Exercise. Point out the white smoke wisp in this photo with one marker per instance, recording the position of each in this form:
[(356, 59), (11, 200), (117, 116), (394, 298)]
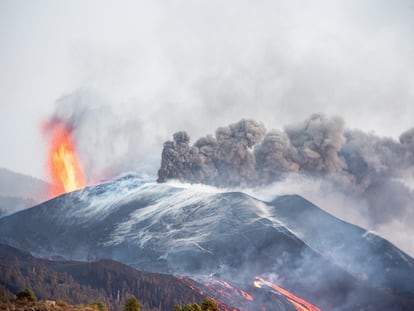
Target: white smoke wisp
[(198, 187)]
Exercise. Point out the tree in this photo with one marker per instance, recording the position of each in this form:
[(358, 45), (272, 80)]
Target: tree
[(132, 304), (191, 307), (206, 305), (26, 295), (209, 305)]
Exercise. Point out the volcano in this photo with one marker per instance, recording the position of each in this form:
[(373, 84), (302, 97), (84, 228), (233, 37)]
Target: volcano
[(205, 233)]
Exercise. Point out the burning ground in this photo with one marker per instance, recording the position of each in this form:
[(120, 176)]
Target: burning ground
[(259, 295)]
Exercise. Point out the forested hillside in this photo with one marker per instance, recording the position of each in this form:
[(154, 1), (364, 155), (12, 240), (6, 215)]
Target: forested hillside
[(86, 282)]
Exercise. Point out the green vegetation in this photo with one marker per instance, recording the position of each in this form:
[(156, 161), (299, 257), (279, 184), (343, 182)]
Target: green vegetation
[(206, 305), (26, 295), (191, 307), (26, 300), (209, 305), (103, 285), (99, 306), (132, 304)]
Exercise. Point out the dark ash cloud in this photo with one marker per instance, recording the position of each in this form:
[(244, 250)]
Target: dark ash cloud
[(223, 159), (361, 177), (244, 154)]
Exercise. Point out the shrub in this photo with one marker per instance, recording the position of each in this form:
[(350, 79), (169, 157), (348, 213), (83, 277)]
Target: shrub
[(26, 295)]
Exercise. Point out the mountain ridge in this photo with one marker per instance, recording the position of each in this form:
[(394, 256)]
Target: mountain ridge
[(19, 191), (190, 230)]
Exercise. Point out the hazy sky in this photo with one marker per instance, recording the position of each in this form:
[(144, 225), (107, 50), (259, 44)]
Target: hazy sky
[(155, 67)]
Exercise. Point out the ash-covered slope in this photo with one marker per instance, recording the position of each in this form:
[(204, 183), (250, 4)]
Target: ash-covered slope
[(362, 253), (197, 231)]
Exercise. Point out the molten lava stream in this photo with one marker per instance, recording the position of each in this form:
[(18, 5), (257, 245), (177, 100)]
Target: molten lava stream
[(298, 303), (63, 163), (236, 291)]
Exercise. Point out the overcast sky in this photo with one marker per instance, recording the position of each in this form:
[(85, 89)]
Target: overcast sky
[(163, 66)]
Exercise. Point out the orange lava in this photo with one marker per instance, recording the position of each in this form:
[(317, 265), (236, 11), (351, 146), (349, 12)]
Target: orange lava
[(299, 303), (63, 163), (236, 291)]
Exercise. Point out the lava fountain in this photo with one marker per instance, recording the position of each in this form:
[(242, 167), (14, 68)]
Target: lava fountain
[(63, 163)]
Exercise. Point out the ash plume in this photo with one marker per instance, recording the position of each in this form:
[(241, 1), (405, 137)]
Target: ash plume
[(358, 176), (223, 159), (317, 141), (407, 142), (243, 154), (310, 146)]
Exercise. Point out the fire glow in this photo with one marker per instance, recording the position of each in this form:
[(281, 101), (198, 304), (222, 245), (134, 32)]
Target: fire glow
[(299, 303), (63, 163), (225, 285), (226, 294)]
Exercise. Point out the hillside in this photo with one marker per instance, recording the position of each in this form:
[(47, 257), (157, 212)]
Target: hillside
[(86, 282)]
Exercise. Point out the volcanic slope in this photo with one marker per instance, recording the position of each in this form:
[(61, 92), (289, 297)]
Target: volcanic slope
[(199, 231)]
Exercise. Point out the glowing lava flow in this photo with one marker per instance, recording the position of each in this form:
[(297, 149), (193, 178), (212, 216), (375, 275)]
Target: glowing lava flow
[(225, 294), (235, 291), (216, 290), (299, 303), (63, 163)]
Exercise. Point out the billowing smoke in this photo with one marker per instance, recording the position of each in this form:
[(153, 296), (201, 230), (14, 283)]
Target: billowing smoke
[(407, 141), (226, 158), (310, 146), (244, 154)]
